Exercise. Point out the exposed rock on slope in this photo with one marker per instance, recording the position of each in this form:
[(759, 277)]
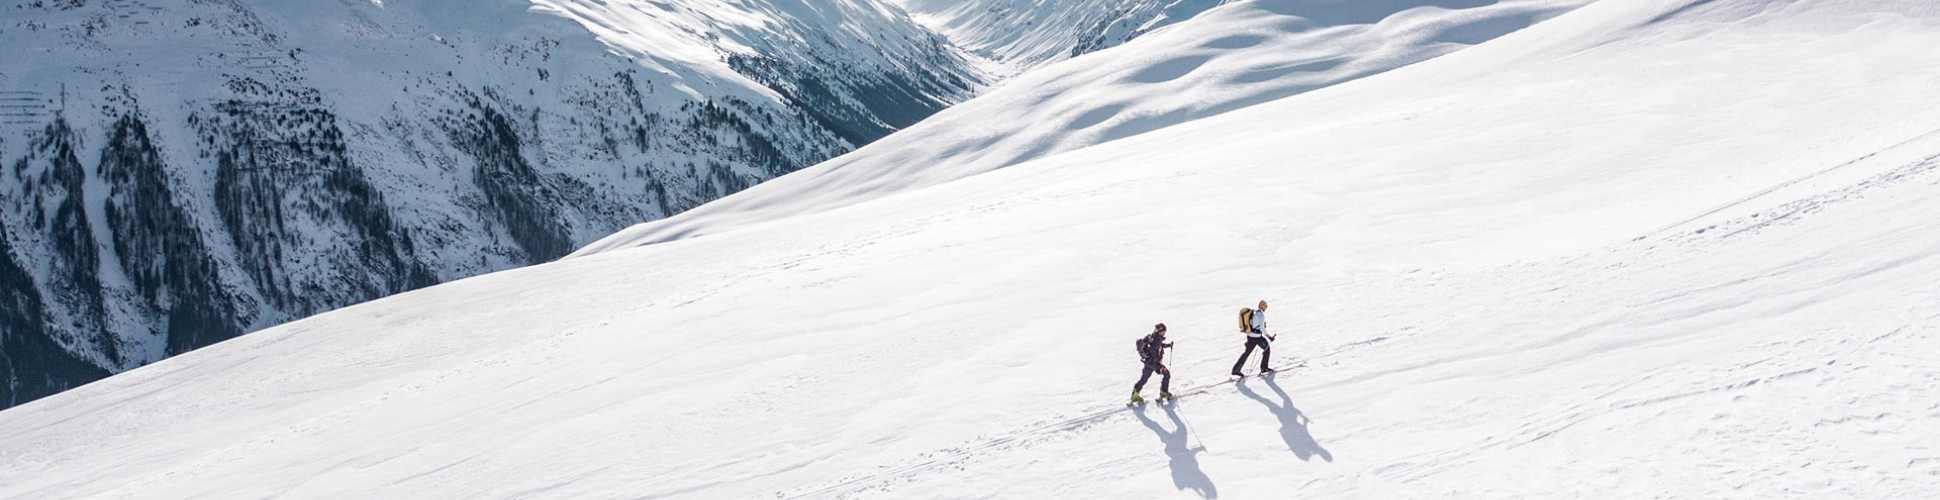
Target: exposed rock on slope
[(178, 172)]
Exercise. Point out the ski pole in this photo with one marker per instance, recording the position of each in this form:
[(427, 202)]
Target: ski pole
[(1168, 368), (1187, 424)]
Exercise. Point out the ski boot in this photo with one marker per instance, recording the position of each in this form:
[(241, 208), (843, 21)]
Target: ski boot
[(1136, 399), (1166, 396)]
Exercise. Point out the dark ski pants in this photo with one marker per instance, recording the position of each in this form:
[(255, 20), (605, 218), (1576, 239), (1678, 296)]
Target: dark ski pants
[(1165, 379), (1266, 353)]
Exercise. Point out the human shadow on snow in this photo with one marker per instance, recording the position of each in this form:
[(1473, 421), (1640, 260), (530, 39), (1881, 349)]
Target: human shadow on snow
[(1293, 423), (1186, 474)]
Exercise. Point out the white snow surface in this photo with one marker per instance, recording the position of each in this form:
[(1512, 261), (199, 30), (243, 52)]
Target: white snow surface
[(1647, 248), (1025, 34), (1229, 58)]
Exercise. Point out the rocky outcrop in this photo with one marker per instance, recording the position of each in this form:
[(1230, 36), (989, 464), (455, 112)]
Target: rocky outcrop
[(32, 363), (158, 245), (193, 170), (290, 197)]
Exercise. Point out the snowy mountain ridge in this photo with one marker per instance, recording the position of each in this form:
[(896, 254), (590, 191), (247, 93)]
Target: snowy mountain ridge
[(1230, 58), (1643, 248), (1027, 34), (178, 172)]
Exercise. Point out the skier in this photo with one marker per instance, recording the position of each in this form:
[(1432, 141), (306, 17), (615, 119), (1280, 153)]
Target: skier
[(1151, 351), (1253, 323)]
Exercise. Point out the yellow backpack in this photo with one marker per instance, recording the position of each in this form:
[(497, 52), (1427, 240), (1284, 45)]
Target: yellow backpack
[(1246, 320)]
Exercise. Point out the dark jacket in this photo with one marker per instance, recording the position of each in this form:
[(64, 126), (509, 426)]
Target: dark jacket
[(1151, 349)]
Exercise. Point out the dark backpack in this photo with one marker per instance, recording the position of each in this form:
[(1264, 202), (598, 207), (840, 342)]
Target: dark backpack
[(1145, 348)]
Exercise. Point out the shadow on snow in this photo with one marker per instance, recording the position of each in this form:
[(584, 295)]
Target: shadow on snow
[(1186, 474), (1293, 423)]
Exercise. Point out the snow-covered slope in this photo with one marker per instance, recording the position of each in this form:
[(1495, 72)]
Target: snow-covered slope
[(1030, 33), (1238, 55), (1648, 248), (180, 171)]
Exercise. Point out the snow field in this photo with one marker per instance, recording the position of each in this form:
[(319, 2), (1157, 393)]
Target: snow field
[(1647, 248)]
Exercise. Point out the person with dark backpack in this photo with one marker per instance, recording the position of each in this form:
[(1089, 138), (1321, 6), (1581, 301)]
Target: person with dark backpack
[(1252, 322), (1151, 351)]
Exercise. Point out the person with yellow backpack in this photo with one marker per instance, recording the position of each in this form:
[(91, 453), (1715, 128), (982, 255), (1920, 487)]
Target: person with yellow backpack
[(1252, 322)]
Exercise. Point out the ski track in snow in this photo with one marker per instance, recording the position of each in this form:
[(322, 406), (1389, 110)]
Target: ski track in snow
[(1452, 249), (956, 456), (1624, 398), (1602, 406)]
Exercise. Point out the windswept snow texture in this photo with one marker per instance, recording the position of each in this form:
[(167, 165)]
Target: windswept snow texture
[(1029, 33), (1232, 57), (174, 173), (1649, 248)]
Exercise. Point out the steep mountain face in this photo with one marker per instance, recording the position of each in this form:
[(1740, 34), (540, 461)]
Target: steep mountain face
[(178, 172), (1226, 58), (1032, 33)]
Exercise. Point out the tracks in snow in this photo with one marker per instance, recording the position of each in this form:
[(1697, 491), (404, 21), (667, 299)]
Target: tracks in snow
[(957, 455)]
